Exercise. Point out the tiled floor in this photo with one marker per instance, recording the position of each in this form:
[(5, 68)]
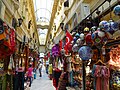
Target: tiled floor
[(42, 83)]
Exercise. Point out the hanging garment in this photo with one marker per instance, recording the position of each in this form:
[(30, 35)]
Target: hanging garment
[(93, 75), (106, 77), (98, 79)]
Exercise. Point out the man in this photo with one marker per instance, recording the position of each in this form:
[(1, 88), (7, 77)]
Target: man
[(40, 68)]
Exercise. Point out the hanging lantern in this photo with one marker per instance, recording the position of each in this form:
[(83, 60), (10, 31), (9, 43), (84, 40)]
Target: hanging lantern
[(116, 10), (82, 36), (85, 53)]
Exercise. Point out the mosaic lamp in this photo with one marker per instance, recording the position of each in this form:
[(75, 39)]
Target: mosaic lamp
[(85, 53)]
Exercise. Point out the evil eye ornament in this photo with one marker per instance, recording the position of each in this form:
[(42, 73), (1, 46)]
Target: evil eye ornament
[(116, 10)]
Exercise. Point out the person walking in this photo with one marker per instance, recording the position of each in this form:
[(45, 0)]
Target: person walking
[(40, 68), (30, 72)]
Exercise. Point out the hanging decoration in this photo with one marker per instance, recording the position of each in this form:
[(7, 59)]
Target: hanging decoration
[(85, 53), (116, 10)]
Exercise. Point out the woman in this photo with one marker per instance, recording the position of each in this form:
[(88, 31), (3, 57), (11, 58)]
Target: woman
[(30, 72)]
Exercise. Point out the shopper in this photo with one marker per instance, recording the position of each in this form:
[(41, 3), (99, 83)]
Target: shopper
[(30, 74), (40, 68)]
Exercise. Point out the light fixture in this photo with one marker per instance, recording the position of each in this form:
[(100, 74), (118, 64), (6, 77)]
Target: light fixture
[(20, 20)]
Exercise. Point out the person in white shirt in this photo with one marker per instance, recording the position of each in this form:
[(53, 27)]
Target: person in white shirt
[(40, 68)]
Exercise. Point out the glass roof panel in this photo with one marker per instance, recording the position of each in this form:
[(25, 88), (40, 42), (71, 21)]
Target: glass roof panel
[(43, 9)]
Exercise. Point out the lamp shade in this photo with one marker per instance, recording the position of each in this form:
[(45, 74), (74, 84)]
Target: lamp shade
[(85, 53)]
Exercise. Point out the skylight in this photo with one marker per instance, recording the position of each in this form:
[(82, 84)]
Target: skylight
[(43, 10)]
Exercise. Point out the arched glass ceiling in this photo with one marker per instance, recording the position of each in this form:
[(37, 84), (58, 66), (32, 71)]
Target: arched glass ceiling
[(43, 9)]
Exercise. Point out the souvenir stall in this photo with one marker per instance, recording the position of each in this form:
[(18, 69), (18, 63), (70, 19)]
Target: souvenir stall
[(7, 50), (93, 46)]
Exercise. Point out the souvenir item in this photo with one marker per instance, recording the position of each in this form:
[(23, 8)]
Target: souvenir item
[(104, 25), (113, 26), (116, 10), (82, 36), (93, 29), (88, 38), (77, 35), (55, 50), (75, 39), (85, 53), (96, 38), (75, 48)]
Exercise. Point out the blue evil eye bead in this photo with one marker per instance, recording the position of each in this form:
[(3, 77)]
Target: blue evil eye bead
[(116, 10), (85, 53), (104, 25)]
